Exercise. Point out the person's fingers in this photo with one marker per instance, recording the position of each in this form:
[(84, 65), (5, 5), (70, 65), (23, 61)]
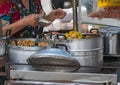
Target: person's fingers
[(59, 13), (35, 16), (34, 23)]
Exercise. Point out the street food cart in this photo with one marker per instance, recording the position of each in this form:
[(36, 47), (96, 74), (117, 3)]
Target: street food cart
[(61, 61)]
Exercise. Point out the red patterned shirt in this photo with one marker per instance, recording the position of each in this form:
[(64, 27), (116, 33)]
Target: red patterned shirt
[(10, 9)]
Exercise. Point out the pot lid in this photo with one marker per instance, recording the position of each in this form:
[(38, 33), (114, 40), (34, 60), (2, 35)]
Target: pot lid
[(53, 52), (53, 59)]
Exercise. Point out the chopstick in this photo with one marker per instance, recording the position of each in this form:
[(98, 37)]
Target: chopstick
[(53, 6)]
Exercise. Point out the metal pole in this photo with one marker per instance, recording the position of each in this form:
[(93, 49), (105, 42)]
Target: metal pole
[(0, 28), (75, 18)]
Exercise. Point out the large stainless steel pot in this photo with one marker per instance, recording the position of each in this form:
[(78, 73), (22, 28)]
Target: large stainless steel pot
[(88, 51), (111, 37), (19, 54)]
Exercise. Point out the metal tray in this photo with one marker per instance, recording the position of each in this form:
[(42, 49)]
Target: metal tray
[(89, 78), (18, 82)]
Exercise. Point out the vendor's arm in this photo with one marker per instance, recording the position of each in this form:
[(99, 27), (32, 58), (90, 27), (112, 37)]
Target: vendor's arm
[(56, 14), (33, 20), (30, 20)]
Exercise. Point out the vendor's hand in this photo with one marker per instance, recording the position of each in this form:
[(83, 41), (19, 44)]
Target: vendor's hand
[(32, 20), (56, 14)]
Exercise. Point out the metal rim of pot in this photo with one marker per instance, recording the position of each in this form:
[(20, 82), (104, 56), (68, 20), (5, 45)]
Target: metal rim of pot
[(32, 39)]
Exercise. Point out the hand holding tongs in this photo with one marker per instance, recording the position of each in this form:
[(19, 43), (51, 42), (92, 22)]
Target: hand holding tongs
[(44, 20)]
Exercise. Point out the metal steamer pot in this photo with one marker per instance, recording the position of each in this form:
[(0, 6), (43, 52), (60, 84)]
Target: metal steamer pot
[(19, 54), (88, 51), (111, 37)]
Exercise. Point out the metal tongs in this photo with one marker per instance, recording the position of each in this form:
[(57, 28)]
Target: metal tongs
[(39, 30), (45, 21), (40, 27)]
